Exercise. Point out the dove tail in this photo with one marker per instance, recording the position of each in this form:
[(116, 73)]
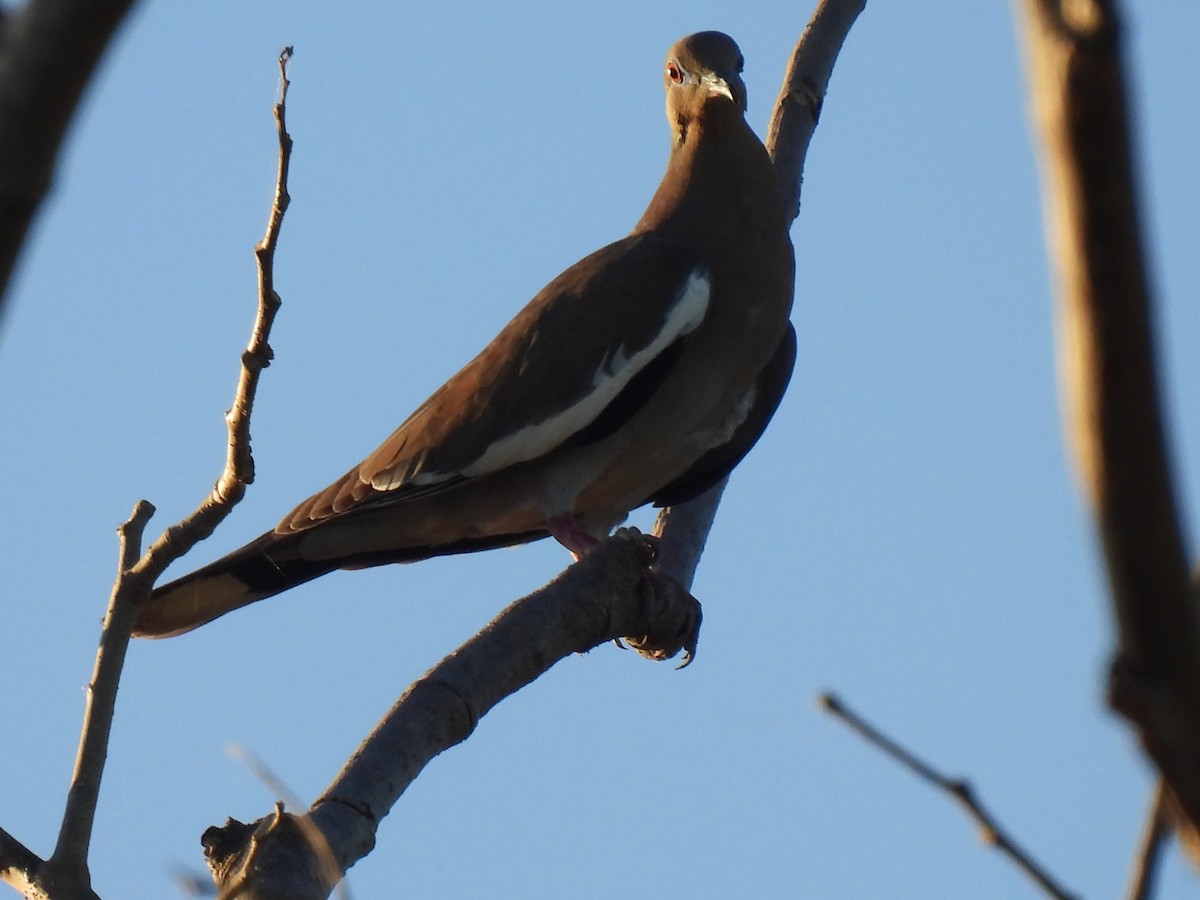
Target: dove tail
[(261, 569)]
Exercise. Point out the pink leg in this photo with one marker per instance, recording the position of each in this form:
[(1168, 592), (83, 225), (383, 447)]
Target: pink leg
[(567, 532)]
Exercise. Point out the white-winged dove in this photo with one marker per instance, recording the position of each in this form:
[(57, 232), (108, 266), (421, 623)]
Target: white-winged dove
[(643, 373)]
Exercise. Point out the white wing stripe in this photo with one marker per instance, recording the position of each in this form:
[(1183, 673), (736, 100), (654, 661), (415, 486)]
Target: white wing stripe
[(684, 316)]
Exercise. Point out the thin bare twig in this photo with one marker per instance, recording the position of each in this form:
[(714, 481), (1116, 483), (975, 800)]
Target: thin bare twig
[(1150, 847), (239, 464), (961, 790), (1109, 380)]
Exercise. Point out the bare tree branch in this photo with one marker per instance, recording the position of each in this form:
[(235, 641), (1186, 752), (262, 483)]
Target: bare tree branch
[(1107, 367), (49, 50), (684, 531), (239, 464), (798, 107), (960, 789)]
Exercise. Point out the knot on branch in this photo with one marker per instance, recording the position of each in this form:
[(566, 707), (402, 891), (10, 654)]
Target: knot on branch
[(808, 98), (231, 487), (280, 855), (223, 844), (460, 712)]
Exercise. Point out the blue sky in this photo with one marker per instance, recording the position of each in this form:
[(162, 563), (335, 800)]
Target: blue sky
[(906, 534)]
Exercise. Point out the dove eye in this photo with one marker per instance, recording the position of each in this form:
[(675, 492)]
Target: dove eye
[(674, 73)]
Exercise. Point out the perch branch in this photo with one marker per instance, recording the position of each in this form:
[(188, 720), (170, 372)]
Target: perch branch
[(961, 790), (684, 530), (798, 107), (608, 594), (1112, 402)]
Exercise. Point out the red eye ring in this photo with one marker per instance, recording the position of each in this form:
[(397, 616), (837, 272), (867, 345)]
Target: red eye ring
[(674, 74)]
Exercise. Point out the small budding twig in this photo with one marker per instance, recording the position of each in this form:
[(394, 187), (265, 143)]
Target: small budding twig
[(958, 788), (239, 464)]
